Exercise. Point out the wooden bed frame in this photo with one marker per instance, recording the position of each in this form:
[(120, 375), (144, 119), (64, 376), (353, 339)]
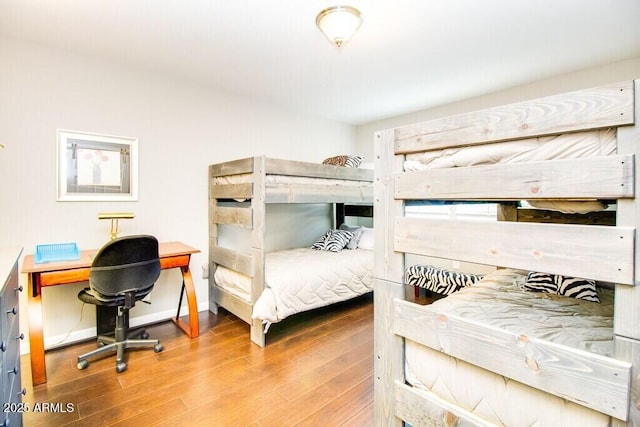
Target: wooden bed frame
[(570, 247), (252, 216)]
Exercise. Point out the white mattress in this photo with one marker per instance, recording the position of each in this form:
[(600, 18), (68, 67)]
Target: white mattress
[(566, 146), (499, 301), (302, 279)]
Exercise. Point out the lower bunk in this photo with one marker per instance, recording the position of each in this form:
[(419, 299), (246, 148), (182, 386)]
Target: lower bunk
[(336, 268), (300, 279), (498, 353)]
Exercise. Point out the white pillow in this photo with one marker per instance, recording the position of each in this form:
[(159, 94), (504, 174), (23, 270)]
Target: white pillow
[(357, 233), (366, 239)]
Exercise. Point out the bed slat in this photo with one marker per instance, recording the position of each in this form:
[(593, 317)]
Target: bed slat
[(594, 252), (240, 217), (424, 408), (312, 193), (315, 170), (609, 177), (232, 303), (598, 382), (232, 191), (600, 107), (541, 215), (232, 259), (234, 167)]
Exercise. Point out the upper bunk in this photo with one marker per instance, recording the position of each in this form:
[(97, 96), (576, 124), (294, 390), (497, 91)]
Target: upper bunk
[(289, 181), (578, 157)]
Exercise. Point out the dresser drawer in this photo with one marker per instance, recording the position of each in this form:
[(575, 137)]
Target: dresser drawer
[(10, 337), (10, 392), (9, 300), (10, 345)]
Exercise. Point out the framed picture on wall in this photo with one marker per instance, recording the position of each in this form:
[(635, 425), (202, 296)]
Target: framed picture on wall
[(93, 167)]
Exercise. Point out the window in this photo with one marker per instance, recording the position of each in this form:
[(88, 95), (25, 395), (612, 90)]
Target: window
[(466, 211)]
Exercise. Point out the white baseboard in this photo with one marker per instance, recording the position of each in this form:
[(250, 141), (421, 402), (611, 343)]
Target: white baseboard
[(72, 337)]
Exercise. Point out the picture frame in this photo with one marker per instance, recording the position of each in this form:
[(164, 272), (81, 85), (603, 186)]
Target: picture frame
[(95, 167)]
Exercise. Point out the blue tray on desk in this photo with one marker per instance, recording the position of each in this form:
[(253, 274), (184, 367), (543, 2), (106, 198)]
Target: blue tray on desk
[(56, 252)]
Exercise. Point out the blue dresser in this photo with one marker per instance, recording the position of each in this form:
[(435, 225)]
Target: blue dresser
[(10, 335)]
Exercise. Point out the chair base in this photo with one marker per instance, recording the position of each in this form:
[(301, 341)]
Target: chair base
[(118, 343)]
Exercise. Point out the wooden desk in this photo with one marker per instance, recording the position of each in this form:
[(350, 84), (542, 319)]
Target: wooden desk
[(172, 255)]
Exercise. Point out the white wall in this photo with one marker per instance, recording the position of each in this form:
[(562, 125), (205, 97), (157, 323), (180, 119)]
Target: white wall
[(181, 129), (611, 73)]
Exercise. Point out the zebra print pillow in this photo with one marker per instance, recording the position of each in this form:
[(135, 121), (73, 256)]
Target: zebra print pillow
[(357, 234), (333, 241), (348, 161), (562, 285), (438, 280)]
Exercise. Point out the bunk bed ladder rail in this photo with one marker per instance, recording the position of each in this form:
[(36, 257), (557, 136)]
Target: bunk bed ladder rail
[(239, 205)]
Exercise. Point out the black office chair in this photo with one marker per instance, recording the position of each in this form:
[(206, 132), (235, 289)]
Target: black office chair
[(122, 272)]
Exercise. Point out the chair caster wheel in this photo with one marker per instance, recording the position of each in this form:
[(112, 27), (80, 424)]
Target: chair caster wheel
[(82, 364), (121, 367), (144, 335), (157, 348)]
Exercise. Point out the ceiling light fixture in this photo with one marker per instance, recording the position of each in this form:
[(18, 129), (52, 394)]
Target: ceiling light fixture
[(339, 23)]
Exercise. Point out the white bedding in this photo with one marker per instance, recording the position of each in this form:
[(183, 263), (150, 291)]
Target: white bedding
[(499, 301), (566, 146), (302, 279)]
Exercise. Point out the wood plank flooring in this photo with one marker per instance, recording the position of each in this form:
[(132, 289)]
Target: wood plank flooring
[(317, 370)]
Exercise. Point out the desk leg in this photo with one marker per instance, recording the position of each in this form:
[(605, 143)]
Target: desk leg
[(193, 327), (36, 340)]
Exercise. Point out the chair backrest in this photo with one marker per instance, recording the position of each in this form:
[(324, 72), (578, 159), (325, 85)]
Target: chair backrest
[(129, 263)]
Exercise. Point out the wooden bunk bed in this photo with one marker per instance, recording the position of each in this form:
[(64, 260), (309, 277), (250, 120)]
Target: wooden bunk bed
[(511, 375), (239, 193)]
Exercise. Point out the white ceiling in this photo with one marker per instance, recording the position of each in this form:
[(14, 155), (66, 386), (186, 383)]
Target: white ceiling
[(407, 56)]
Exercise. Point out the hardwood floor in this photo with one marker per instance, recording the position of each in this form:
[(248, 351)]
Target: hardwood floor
[(317, 370)]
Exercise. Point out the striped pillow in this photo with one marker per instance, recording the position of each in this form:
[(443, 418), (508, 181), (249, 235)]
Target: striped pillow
[(319, 244), (562, 285), (344, 160), (438, 280), (357, 234), (333, 241)]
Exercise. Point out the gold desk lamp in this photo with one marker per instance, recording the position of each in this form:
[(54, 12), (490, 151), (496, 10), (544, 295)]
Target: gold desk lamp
[(114, 217)]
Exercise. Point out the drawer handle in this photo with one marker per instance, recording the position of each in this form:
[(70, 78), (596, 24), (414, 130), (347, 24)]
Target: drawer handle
[(23, 392), (3, 346), (19, 288), (14, 371), (20, 337), (13, 311)]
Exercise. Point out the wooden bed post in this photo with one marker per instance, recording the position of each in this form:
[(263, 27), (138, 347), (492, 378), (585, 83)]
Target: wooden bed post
[(388, 276), (257, 243), (627, 302), (213, 241)]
